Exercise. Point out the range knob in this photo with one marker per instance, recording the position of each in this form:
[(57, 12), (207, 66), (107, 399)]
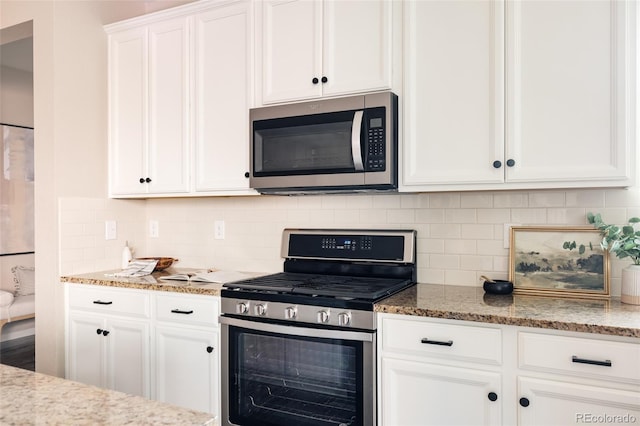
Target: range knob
[(290, 313), (242, 308), (260, 309), (323, 317), (344, 318)]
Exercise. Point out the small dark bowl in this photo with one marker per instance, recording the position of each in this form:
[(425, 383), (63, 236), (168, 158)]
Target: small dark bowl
[(498, 287)]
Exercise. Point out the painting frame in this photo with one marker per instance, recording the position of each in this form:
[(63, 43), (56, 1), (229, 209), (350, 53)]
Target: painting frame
[(558, 261)]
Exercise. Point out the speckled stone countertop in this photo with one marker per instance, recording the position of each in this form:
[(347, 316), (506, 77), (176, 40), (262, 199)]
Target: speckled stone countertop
[(147, 282), (28, 398), (608, 316)]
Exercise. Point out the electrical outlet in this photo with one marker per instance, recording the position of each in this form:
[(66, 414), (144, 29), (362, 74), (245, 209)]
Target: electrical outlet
[(218, 229), (154, 229), (110, 230)]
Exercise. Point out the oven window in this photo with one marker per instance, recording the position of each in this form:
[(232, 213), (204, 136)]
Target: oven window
[(277, 379)]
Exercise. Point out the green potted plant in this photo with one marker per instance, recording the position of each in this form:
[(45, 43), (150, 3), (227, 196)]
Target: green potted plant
[(624, 242)]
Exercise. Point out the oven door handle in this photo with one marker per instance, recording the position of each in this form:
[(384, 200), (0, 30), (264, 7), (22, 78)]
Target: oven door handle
[(294, 330), (356, 143)]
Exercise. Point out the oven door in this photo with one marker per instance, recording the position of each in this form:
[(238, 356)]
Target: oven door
[(276, 374)]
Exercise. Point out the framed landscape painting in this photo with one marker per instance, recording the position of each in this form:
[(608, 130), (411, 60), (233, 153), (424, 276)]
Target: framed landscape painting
[(558, 261)]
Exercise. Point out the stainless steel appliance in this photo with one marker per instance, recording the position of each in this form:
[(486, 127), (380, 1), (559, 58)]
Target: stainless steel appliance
[(300, 345), (333, 145)]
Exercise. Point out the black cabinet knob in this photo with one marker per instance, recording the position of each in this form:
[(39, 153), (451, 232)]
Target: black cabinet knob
[(325, 79), (209, 349), (497, 164), (524, 402), (315, 80), (511, 162), (141, 180), (246, 174), (99, 331), (147, 180), (492, 396), (105, 333)]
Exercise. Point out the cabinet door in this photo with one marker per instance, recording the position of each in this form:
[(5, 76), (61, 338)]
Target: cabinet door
[(86, 352), (569, 91), (127, 111), (291, 46), (168, 149), (128, 356), (562, 403), (357, 46), (222, 51), (187, 368), (423, 394), (453, 101)]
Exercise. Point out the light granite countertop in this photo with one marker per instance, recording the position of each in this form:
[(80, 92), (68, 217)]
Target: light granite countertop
[(32, 398), (147, 282), (601, 316)]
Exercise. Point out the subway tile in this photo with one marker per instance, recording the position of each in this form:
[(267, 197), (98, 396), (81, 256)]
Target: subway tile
[(444, 231), (585, 198), (476, 262), (566, 216), (529, 216), (494, 215), (510, 199), (406, 216), (546, 199), (622, 197), (431, 276), (430, 215), (460, 216), (448, 261), (459, 277), (386, 201), (476, 200), (476, 231), (444, 200), (430, 245), (460, 246)]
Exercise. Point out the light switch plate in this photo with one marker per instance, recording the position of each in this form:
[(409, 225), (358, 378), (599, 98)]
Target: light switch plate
[(110, 230)]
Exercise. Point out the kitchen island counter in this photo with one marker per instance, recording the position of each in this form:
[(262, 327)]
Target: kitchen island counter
[(600, 316), (33, 398)]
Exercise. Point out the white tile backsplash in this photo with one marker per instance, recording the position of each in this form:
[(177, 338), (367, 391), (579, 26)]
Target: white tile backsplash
[(460, 235)]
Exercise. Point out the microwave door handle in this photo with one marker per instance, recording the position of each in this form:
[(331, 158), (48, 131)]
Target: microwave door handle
[(356, 146)]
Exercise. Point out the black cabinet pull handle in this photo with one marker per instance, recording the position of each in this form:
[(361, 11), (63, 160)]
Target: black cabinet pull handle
[(605, 363), (100, 302), (105, 333), (497, 164), (99, 331), (315, 80), (511, 162), (178, 311), (492, 396), (324, 79), (436, 342), (524, 402), (209, 349)]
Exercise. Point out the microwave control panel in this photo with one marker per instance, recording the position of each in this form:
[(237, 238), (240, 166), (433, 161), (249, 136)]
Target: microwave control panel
[(376, 140)]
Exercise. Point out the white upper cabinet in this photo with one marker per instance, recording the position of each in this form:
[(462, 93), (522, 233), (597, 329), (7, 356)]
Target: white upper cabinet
[(179, 91), (222, 82), (168, 148), (309, 49), (518, 94)]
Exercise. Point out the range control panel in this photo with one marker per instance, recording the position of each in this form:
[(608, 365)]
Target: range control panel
[(390, 246)]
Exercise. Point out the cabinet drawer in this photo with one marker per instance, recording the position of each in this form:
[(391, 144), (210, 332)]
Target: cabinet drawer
[(461, 342), (604, 359), (203, 310), (109, 300)]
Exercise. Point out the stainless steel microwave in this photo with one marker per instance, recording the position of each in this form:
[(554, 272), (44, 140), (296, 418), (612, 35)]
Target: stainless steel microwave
[(332, 145)]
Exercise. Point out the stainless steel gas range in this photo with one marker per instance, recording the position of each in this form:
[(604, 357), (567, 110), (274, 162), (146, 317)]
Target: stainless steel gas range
[(300, 345)]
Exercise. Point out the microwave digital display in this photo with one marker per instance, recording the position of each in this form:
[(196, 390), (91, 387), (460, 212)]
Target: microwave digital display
[(375, 123)]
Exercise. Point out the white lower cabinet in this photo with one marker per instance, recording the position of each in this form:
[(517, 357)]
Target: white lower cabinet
[(109, 352), (161, 346), (186, 352), (450, 372), (432, 373)]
